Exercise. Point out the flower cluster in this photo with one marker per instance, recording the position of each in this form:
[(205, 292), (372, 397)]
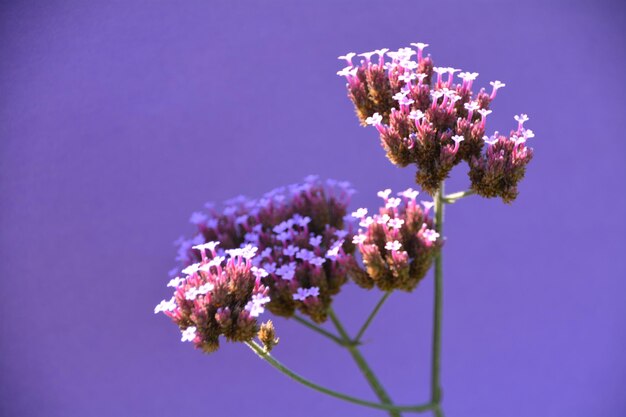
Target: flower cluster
[(499, 170), (219, 295), (425, 117), (399, 244), (304, 248)]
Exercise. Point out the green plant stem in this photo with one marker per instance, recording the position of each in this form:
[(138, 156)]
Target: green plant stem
[(435, 382), (319, 330), (282, 368), (454, 197), (380, 303), (362, 364)]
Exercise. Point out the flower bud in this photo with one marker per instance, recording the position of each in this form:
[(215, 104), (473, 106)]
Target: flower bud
[(267, 335)]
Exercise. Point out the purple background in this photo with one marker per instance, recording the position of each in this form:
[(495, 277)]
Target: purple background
[(118, 120)]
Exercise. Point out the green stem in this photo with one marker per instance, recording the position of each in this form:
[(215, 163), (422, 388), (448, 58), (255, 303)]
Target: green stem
[(452, 198), (435, 382), (371, 316), (319, 330), (263, 354), (362, 364)]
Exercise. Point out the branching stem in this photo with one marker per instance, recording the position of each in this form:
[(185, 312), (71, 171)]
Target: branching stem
[(380, 303), (363, 366), (283, 369), (319, 330), (351, 343), (454, 197)]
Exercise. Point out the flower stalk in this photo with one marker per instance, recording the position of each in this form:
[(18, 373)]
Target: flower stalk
[(320, 330), (291, 374), (454, 197), (363, 366), (435, 381), (369, 320)]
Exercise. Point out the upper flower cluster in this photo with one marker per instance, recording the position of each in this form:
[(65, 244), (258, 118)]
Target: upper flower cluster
[(304, 248), (398, 244), (219, 295), (426, 116)]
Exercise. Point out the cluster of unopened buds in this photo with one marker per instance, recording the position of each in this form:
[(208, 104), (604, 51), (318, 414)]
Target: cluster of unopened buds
[(424, 116)]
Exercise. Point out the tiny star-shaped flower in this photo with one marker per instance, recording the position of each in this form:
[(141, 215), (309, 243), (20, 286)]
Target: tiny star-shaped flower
[(428, 204), (366, 222), (393, 246), (407, 77), (259, 272), (198, 218), (420, 45), (165, 305), (458, 139), (521, 118), (175, 282), (395, 223), (290, 250), (348, 57), (189, 334), (374, 119), (490, 140), (484, 112), (314, 291), (393, 202), (191, 269), (430, 235), (358, 239), (409, 193), (301, 294), (205, 288), (317, 261), (384, 194), (209, 245), (416, 115), (383, 219), (399, 96), (471, 106), (315, 241)]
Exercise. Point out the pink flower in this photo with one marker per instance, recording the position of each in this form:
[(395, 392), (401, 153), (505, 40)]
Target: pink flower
[(430, 113)]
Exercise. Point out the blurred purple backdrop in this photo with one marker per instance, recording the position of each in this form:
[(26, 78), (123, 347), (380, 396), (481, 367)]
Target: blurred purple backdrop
[(119, 119)]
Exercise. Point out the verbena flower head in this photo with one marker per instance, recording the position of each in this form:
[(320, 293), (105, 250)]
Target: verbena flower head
[(499, 170), (304, 246), (398, 244), (217, 296), (429, 116), (267, 335)]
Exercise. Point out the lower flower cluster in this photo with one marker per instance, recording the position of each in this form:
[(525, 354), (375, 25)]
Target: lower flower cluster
[(292, 250), (220, 295), (304, 247)]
